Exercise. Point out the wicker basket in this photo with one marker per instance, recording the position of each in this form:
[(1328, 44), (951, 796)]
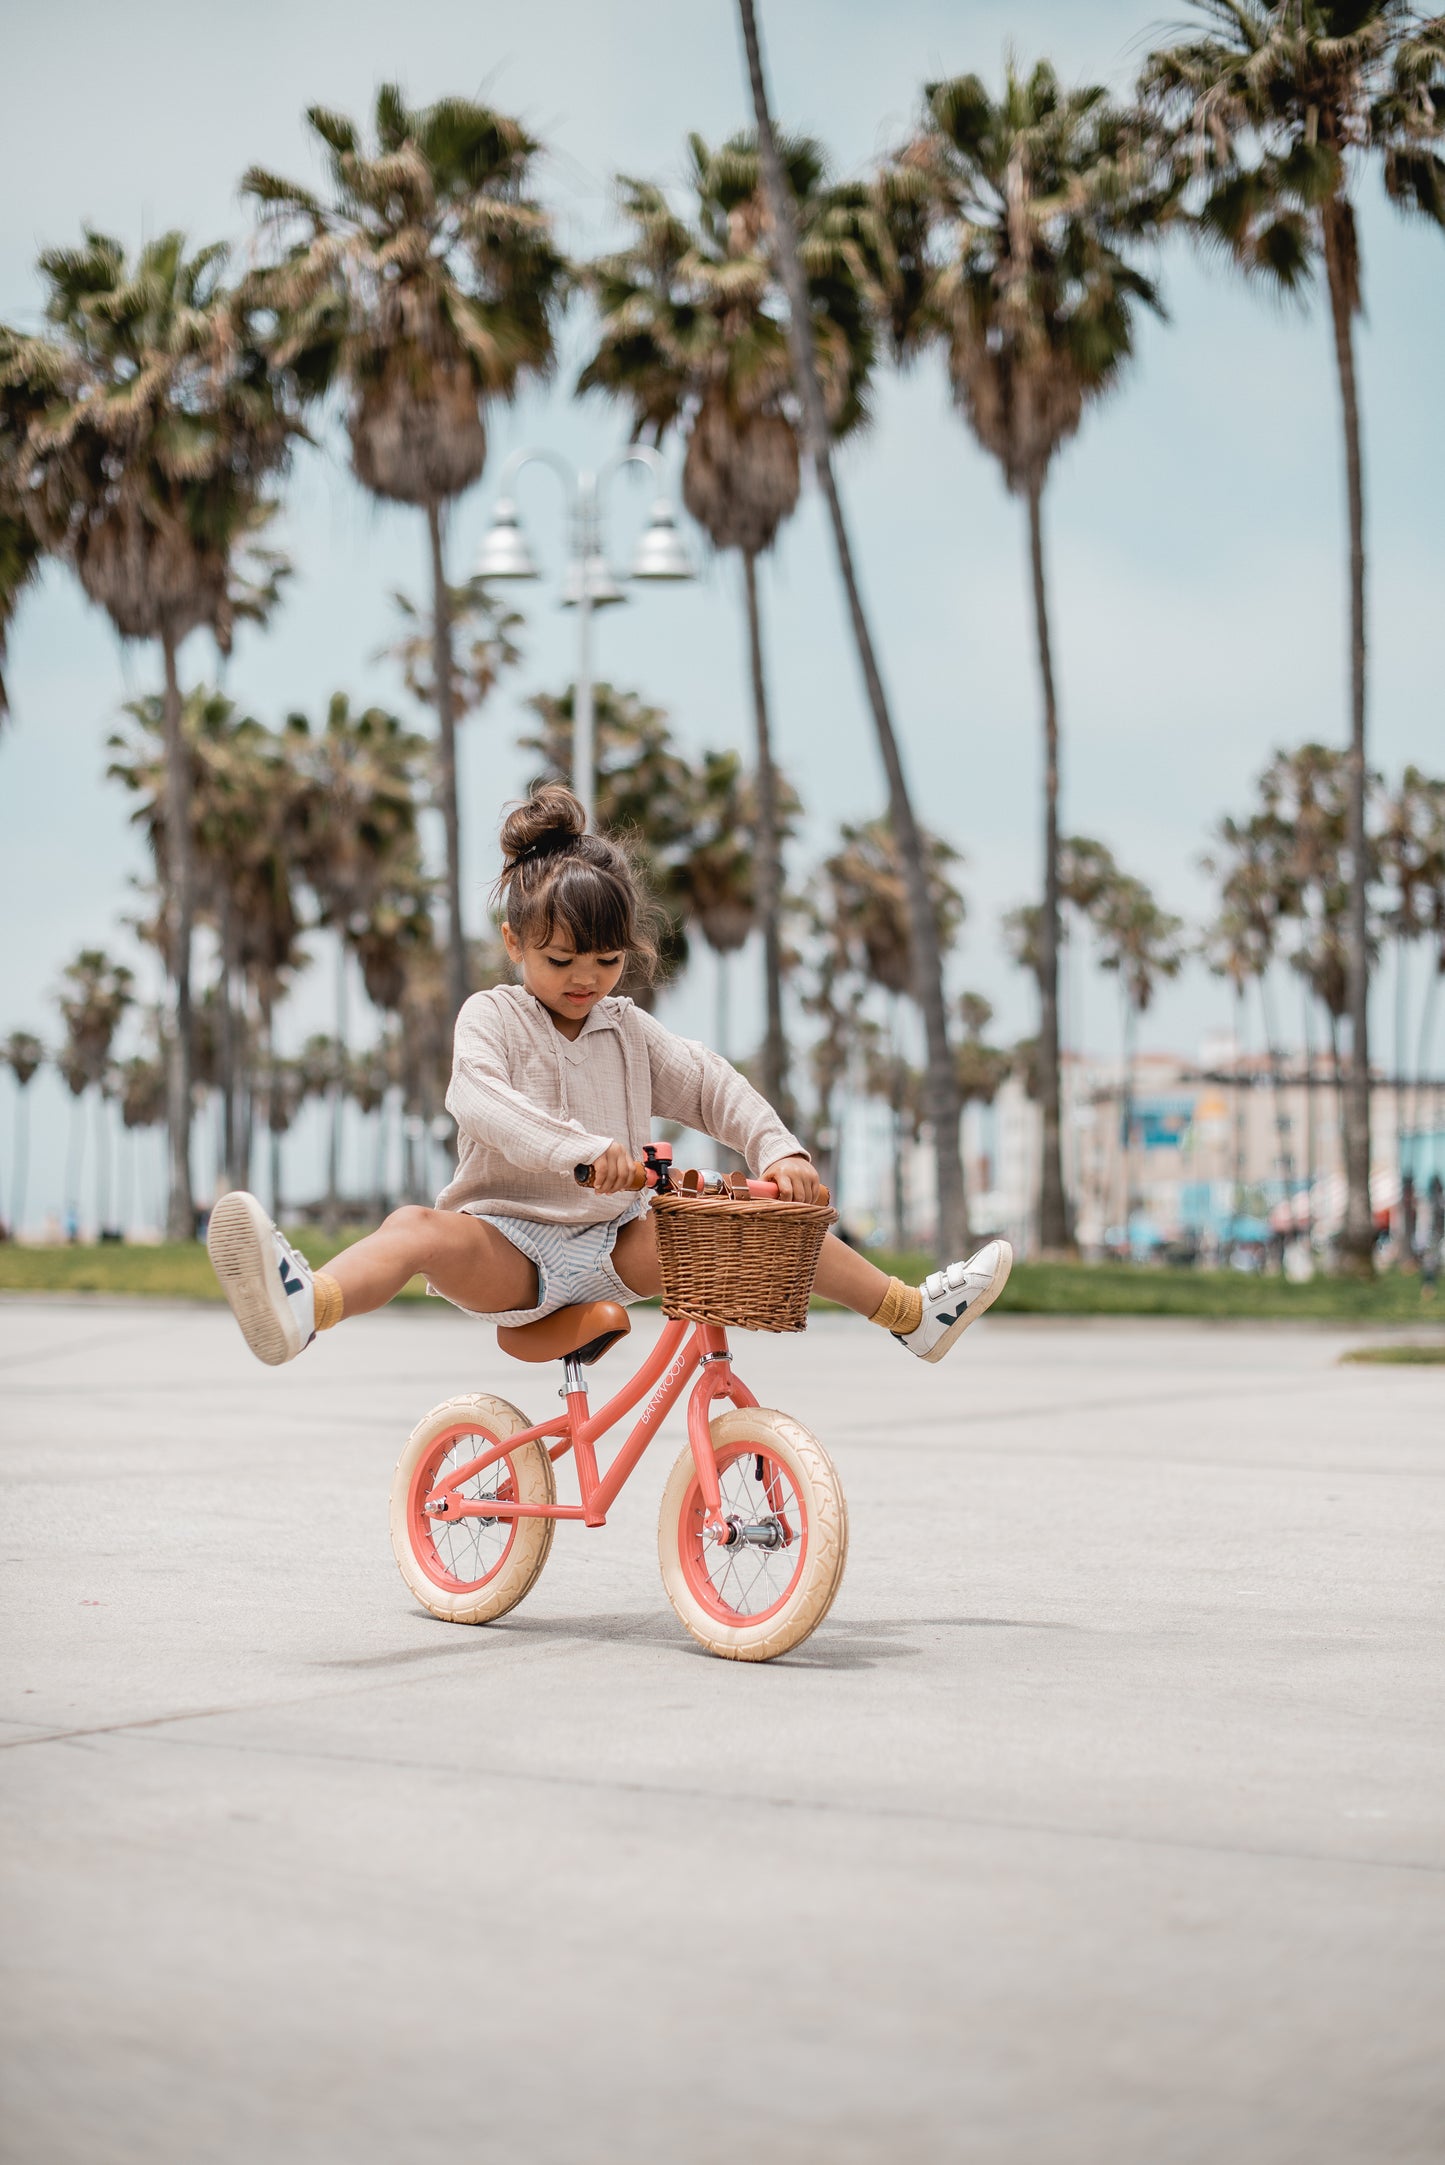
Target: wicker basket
[(735, 1261)]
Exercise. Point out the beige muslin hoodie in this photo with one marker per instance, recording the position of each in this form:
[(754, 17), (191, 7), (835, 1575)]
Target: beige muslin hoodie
[(531, 1104)]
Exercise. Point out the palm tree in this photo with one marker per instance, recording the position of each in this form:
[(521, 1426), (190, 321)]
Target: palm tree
[(691, 338), (244, 797), (140, 1089), (834, 997), (1408, 841), (717, 871), (141, 437), (1307, 791), (1434, 884), (20, 556), (1012, 218), (1259, 893), (22, 1053), (356, 839), (95, 995), (941, 1080), (426, 287), (1272, 112), (868, 917), (1140, 943), (484, 644)]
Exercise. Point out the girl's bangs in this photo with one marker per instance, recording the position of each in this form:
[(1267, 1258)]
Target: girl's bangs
[(592, 908)]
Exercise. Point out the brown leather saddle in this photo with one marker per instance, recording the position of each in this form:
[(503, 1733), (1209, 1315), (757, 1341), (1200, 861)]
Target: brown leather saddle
[(584, 1331)]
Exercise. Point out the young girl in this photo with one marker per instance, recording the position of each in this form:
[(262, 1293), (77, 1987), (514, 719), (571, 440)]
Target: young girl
[(552, 1073)]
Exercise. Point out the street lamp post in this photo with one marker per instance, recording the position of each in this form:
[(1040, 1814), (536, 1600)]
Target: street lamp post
[(589, 583)]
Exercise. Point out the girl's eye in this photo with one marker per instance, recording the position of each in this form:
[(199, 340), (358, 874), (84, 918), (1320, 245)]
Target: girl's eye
[(608, 962)]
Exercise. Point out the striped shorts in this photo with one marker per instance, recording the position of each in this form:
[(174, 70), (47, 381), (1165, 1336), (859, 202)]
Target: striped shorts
[(574, 1263)]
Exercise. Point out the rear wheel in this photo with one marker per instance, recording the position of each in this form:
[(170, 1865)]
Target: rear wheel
[(470, 1570), (757, 1588)]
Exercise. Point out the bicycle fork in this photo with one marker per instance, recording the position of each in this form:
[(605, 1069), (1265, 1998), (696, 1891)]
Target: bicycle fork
[(715, 1380)]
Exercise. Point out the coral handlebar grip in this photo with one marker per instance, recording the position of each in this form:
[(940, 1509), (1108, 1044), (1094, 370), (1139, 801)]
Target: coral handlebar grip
[(641, 1178)]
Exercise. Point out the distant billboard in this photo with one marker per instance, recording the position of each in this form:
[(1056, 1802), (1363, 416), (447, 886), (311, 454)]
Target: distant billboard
[(1158, 1123)]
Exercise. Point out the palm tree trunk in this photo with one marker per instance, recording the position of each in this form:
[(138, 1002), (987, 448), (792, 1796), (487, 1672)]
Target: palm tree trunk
[(767, 863), (1310, 1145), (1240, 1112), (1402, 1002), (102, 1162), (458, 976), (1130, 1020), (1427, 1032), (337, 1095), (1284, 1155), (1357, 1244), (942, 1079), (268, 1102), (74, 1168), (21, 1134), (1054, 1230), (180, 910), (226, 1046)]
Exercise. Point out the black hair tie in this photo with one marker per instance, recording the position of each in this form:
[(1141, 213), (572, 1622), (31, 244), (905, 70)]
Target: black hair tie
[(546, 845)]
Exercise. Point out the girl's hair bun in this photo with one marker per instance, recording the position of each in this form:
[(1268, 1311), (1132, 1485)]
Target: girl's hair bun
[(559, 880), (551, 816)]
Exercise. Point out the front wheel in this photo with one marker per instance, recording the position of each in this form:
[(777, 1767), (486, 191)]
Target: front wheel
[(758, 1589), (470, 1570)]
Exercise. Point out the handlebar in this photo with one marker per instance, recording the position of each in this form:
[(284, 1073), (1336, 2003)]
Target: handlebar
[(693, 1182)]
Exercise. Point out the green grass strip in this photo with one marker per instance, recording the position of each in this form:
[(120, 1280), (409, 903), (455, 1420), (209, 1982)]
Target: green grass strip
[(182, 1272), (1407, 1356)]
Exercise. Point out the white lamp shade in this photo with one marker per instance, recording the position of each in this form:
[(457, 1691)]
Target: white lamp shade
[(602, 589), (504, 552), (661, 553)]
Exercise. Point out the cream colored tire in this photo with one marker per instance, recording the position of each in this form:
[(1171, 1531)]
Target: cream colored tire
[(746, 1602), (474, 1570)]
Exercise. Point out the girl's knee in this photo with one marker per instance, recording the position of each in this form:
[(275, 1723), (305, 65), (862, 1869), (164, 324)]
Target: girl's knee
[(414, 1225)]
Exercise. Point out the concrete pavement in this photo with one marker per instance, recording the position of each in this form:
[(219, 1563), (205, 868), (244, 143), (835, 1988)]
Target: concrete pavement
[(1100, 1824)]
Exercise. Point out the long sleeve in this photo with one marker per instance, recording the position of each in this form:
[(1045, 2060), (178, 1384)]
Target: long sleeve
[(489, 1111), (695, 1085)]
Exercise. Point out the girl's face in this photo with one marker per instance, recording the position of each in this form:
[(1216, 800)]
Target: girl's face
[(568, 985)]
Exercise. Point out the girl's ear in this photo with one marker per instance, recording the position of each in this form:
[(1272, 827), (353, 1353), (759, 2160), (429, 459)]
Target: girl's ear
[(512, 944)]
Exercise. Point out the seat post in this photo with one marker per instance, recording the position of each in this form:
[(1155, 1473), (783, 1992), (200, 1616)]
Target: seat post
[(574, 1378)]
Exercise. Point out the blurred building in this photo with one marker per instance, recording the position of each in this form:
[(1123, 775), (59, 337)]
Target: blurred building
[(1199, 1156)]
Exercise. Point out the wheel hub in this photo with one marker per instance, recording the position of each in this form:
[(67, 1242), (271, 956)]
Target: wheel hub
[(735, 1532)]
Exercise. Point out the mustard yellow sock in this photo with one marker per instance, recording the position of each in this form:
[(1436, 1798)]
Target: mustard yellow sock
[(900, 1310), (330, 1302)]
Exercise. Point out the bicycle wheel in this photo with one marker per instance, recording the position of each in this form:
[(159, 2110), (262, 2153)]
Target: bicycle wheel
[(470, 1570), (754, 1595)]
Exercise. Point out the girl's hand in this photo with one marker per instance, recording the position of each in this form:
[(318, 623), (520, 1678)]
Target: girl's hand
[(615, 1171), (797, 1180)]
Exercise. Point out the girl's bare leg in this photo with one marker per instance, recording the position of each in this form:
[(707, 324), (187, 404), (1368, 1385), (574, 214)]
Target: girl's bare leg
[(843, 1274), (465, 1258)]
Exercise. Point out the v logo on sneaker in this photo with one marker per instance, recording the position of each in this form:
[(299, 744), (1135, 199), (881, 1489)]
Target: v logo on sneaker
[(288, 1285)]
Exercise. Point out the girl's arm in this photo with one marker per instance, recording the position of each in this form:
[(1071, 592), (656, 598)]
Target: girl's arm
[(485, 1106), (695, 1085)]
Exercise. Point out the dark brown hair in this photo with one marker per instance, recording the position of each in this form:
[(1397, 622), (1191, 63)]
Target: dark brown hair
[(557, 878)]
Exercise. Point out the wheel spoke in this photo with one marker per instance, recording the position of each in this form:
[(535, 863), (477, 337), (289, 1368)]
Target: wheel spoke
[(743, 1579), (469, 1551)]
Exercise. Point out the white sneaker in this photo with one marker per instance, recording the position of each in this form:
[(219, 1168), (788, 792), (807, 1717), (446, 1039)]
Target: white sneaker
[(956, 1297), (266, 1282)]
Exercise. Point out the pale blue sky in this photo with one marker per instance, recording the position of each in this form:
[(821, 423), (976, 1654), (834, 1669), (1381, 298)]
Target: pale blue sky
[(1194, 531)]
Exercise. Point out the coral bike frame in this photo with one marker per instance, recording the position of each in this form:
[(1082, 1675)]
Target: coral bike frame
[(683, 1349)]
